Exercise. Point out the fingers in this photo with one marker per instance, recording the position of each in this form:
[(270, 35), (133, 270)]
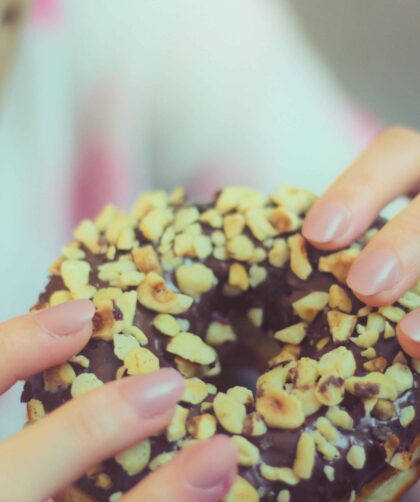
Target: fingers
[(201, 473), (388, 168), (32, 343), (408, 333), (389, 264), (58, 449)]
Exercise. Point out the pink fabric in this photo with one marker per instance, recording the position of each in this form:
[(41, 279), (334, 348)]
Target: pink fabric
[(46, 12), (363, 126)]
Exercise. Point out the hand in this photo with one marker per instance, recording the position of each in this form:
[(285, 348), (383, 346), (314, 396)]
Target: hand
[(390, 263), (53, 452)]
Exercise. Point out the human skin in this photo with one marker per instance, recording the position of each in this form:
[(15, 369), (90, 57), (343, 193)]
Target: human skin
[(88, 430)]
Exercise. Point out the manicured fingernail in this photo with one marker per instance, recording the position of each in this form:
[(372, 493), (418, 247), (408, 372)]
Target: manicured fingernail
[(67, 318), (156, 393), (211, 465), (410, 325), (375, 271), (326, 222)]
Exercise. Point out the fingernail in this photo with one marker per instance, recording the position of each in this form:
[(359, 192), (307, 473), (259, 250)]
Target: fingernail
[(67, 318), (212, 464), (156, 393), (374, 272), (410, 326), (326, 222)]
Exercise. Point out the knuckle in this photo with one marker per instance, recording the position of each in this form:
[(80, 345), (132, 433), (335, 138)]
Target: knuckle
[(87, 418)]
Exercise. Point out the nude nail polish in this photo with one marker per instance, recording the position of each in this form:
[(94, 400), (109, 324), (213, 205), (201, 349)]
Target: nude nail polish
[(410, 326), (65, 319), (327, 222)]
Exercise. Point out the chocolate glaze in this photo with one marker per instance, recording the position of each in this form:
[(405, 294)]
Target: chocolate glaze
[(242, 363)]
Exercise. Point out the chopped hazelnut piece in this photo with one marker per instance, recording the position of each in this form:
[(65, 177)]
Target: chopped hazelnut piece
[(123, 344), (202, 246), (241, 491), (330, 389), (82, 361), (295, 199), (85, 383), (242, 395), (256, 316), (184, 245), (59, 297), (340, 418), (283, 474), (279, 254), (372, 385), (389, 331), (233, 225), (292, 334), (376, 364), (195, 279), (220, 333), (284, 221), (161, 459), (401, 376), (146, 259), (192, 348), (339, 299), (258, 223), (88, 234), (59, 377), (185, 217), (305, 374), (283, 496), (229, 412), (308, 307), (157, 199), (341, 325), (356, 457), (340, 360), (176, 430), (279, 409), (401, 461), (299, 262), (384, 409), (34, 410), (257, 275), (394, 314), (254, 425), (328, 450), (238, 277), (305, 456), (308, 400), (195, 391), (239, 198), (138, 335), (329, 473), (248, 453), (202, 426), (325, 427), (141, 361), (212, 218), (154, 223), (75, 273), (367, 339), (240, 248), (338, 263), (407, 415), (135, 459), (166, 324), (410, 300), (155, 295), (369, 353)]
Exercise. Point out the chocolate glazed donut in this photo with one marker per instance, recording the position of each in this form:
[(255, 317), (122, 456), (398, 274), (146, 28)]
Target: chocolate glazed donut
[(320, 399)]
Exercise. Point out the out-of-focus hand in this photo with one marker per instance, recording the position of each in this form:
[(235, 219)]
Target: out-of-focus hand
[(390, 263), (53, 452)]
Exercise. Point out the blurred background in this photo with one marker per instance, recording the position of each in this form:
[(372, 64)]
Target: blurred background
[(100, 100)]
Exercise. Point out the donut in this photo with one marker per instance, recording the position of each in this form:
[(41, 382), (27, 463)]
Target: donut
[(277, 352)]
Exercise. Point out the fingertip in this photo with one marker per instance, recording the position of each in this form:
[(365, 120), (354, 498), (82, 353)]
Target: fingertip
[(408, 334)]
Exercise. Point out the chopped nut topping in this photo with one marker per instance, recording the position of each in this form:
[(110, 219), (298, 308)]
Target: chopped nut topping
[(329, 473), (305, 373), (34, 410), (299, 262), (59, 297), (212, 218), (80, 360), (257, 221), (325, 448), (338, 263), (123, 344), (367, 339), (148, 201), (279, 409), (248, 454), (256, 316), (389, 331), (377, 364), (195, 391), (202, 246), (330, 389), (154, 223), (59, 377), (166, 324), (75, 273), (384, 409), (233, 225), (339, 299), (394, 314), (308, 400), (341, 325), (238, 277), (202, 426), (185, 217), (279, 254), (401, 461), (401, 376), (407, 415), (239, 198), (161, 459), (257, 275), (292, 334), (135, 459), (372, 385), (220, 333), (240, 248), (283, 496), (254, 425), (138, 335), (184, 245), (146, 259), (218, 238), (141, 361), (192, 348), (369, 353), (284, 221), (295, 199), (325, 427), (283, 474), (176, 430), (339, 360), (84, 383), (340, 418), (241, 491), (308, 307), (356, 457), (305, 456), (242, 395), (155, 295), (195, 279), (229, 412), (410, 300), (391, 445), (88, 234)]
